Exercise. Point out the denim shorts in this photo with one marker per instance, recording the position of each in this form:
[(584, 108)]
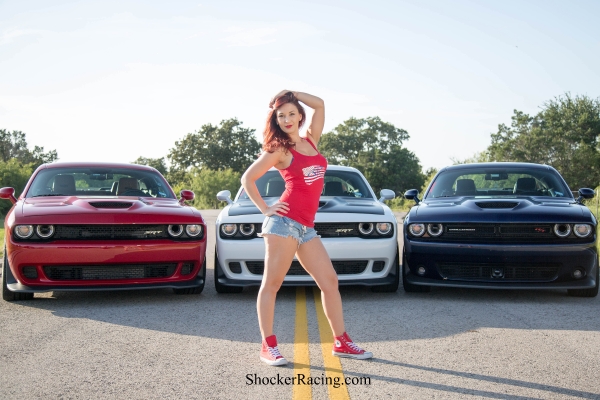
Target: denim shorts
[(284, 227)]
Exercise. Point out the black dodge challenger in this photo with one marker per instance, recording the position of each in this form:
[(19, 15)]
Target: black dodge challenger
[(500, 225)]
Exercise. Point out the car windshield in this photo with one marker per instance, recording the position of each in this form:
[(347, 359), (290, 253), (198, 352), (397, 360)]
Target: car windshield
[(99, 182), (337, 183), (520, 181)]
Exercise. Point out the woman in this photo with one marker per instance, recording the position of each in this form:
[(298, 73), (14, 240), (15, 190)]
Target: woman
[(288, 229)]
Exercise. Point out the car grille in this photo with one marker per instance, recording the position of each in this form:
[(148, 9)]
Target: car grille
[(341, 267), (493, 233), (109, 272), (110, 204), (498, 271), (104, 232), (497, 204), (337, 229)]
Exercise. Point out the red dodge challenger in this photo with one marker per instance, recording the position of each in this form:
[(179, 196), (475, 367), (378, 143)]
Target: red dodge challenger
[(101, 226)]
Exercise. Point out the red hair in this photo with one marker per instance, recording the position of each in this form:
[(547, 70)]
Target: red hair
[(273, 136)]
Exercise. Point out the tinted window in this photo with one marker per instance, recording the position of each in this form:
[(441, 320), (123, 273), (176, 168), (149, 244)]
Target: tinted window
[(99, 182), (337, 183), (498, 182)]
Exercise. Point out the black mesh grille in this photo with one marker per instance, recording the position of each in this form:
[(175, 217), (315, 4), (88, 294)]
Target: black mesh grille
[(337, 229), (341, 267), (103, 232), (30, 272), (502, 233), (110, 204), (493, 272), (497, 204), (235, 267), (187, 268), (378, 266), (469, 230), (109, 272)]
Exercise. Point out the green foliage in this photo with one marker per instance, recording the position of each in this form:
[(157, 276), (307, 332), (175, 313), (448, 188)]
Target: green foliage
[(1, 242), (564, 134), (375, 148), (206, 183), (430, 174), (13, 174), (227, 146), (156, 163), (13, 145), (482, 156)]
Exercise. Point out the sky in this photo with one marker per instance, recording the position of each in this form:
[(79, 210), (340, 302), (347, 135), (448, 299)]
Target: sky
[(115, 80)]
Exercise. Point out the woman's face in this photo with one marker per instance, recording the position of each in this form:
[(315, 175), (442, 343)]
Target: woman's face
[(288, 118)]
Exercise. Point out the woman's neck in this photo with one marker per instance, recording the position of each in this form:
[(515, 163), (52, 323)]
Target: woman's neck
[(295, 138)]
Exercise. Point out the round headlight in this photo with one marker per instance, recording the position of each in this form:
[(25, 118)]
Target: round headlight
[(383, 228), (229, 229), (365, 228), (24, 231), (247, 229), (562, 230), (435, 230), (175, 230), (582, 230), (417, 230), (193, 230), (44, 231)]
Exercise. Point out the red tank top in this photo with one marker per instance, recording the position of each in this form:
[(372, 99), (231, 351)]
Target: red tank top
[(304, 180)]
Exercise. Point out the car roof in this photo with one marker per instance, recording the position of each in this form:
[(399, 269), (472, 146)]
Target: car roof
[(497, 165), (95, 165)]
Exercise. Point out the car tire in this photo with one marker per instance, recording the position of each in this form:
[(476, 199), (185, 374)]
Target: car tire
[(197, 289), (409, 287), (593, 292), (219, 287), (392, 287), (7, 295)]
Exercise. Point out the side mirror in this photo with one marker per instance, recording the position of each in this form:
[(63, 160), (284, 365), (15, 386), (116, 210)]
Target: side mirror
[(224, 195), (584, 193), (186, 195), (412, 194), (8, 193), (386, 194)]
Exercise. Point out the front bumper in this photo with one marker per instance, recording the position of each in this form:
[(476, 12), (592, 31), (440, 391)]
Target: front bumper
[(558, 263), (339, 249)]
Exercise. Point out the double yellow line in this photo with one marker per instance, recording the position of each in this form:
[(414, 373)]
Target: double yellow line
[(333, 367)]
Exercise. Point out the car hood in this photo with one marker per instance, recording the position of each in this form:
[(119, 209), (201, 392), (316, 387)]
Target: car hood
[(347, 205), (499, 210), (72, 209)]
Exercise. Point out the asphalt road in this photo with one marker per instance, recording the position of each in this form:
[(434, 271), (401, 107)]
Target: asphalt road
[(447, 344)]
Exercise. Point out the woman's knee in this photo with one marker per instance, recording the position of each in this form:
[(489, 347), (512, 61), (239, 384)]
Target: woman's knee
[(329, 284)]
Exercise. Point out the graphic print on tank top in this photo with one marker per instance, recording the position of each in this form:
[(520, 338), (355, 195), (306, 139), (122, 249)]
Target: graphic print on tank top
[(313, 173)]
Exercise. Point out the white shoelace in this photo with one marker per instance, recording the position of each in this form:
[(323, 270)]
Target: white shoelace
[(274, 351), (354, 347)]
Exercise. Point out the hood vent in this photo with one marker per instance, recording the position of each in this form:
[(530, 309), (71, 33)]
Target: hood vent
[(110, 204), (497, 204)]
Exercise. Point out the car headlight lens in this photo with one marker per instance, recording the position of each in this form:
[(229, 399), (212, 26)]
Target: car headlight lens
[(365, 228), (193, 230), (417, 230), (44, 231), (175, 230), (582, 230), (247, 229), (562, 230), (24, 231), (383, 228), (229, 229), (435, 230)]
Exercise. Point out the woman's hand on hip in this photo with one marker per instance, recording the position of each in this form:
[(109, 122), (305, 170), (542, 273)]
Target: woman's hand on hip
[(280, 208)]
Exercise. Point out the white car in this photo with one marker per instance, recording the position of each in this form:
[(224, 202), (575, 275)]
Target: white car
[(358, 231)]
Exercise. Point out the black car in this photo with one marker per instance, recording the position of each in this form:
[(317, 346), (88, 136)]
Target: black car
[(500, 225)]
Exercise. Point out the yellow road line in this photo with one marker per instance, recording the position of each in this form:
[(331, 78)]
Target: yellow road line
[(301, 354), (333, 366)]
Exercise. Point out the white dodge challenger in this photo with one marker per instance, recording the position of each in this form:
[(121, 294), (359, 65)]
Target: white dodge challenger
[(358, 230)]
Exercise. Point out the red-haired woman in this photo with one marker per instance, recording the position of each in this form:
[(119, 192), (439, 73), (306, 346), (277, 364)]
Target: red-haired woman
[(288, 228)]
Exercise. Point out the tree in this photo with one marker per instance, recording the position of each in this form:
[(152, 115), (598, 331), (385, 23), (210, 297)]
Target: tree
[(375, 148), (206, 183), (227, 146), (564, 134), (13, 174), (13, 145), (156, 163)]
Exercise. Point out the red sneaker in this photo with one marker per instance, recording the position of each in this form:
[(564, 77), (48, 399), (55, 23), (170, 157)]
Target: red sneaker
[(270, 353), (343, 346)]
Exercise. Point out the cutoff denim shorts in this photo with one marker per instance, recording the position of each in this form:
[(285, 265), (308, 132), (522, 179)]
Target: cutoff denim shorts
[(284, 227)]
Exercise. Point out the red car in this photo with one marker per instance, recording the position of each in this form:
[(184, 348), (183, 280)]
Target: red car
[(100, 226)]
